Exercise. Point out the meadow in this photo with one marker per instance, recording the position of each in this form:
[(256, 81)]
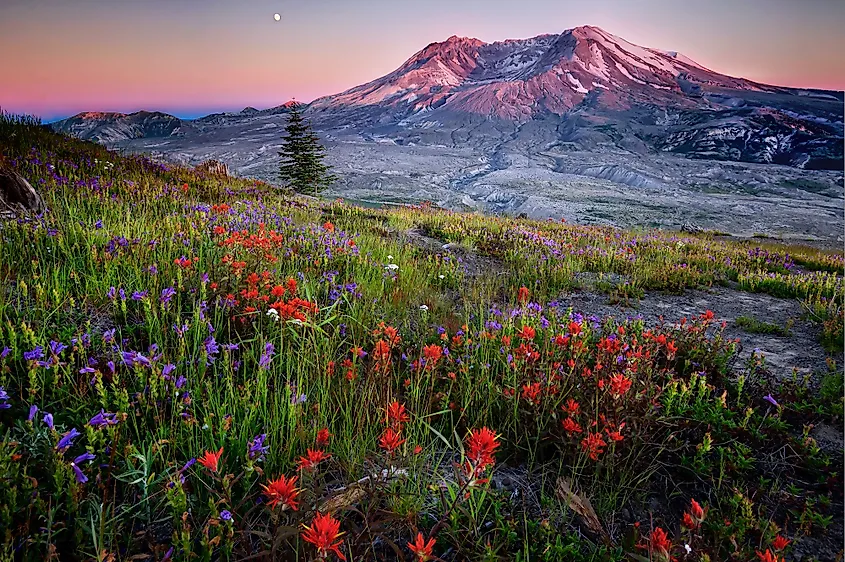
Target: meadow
[(204, 368)]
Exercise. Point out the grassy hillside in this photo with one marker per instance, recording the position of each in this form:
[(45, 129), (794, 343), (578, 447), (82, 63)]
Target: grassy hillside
[(176, 349)]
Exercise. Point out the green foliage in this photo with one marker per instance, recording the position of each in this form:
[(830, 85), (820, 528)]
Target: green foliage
[(754, 326)]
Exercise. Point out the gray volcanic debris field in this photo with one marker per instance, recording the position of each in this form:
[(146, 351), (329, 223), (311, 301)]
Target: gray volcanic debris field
[(611, 186)]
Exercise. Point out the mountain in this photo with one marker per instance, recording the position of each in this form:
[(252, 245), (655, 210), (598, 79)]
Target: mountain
[(607, 86), (110, 127), (583, 125)]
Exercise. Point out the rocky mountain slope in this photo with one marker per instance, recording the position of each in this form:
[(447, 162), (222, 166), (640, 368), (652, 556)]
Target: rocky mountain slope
[(110, 127), (582, 125)]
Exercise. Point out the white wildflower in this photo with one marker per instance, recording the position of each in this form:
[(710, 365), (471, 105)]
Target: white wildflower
[(424, 308), (392, 267), (274, 314)]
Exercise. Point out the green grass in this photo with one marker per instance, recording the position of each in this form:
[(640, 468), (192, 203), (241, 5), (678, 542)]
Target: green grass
[(146, 292), (754, 326)]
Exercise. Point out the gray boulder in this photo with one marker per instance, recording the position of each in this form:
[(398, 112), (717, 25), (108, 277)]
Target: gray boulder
[(17, 196)]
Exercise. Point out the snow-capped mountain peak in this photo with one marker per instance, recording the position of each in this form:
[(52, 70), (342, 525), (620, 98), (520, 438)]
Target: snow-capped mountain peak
[(517, 78)]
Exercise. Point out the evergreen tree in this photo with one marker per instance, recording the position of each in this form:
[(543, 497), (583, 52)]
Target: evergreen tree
[(301, 167)]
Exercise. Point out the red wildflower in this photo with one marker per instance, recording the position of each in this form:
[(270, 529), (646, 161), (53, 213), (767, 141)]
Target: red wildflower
[(768, 556), (524, 295), (571, 427), (432, 354), (594, 445), (572, 407), (396, 413), (282, 491), (689, 522), (574, 328), (780, 543), (323, 437), (291, 285), (482, 445), (328, 226), (659, 545), (421, 548), (696, 511), (312, 459), (381, 352), (616, 434), (619, 385), (210, 460), (278, 291), (417, 449), (531, 392), (390, 440), (527, 333), (324, 533)]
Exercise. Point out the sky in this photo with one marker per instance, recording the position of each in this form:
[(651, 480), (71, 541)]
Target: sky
[(194, 57)]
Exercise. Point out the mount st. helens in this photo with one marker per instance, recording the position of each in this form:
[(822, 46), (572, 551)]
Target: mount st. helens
[(582, 125)]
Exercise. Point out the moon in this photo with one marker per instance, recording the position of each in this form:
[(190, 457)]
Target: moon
[(277, 17)]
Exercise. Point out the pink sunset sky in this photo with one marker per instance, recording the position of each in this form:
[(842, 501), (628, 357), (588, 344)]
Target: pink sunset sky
[(192, 57)]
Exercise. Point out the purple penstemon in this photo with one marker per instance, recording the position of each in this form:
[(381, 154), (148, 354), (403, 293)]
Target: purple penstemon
[(80, 476), (267, 355), (167, 370), (48, 420), (257, 447), (211, 349), (35, 354), (67, 440), (5, 352), (770, 399), (4, 397), (103, 418), (32, 411), (167, 295)]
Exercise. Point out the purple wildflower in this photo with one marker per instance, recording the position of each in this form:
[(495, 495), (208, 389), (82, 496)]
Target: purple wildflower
[(5, 352), (80, 476), (32, 411), (226, 515), (257, 447), (211, 349), (103, 418), (67, 439), (48, 420), (167, 370), (267, 355), (4, 396), (37, 353), (167, 295), (768, 398), (139, 295)]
